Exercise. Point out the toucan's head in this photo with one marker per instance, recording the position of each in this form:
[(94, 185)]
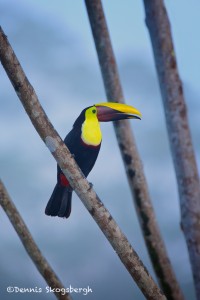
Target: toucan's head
[(108, 111)]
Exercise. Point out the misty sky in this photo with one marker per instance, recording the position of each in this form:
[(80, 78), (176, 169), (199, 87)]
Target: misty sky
[(53, 42)]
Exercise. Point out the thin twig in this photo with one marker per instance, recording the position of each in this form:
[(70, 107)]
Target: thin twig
[(31, 247), (178, 129), (81, 186), (132, 163)]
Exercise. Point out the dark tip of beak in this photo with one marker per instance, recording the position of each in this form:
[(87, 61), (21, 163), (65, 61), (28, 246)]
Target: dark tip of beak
[(134, 117)]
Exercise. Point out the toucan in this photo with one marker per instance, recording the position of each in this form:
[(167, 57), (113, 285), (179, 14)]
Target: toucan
[(84, 142)]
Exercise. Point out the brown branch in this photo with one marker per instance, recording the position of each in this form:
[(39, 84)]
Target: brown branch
[(132, 163), (81, 186), (29, 244), (178, 129)]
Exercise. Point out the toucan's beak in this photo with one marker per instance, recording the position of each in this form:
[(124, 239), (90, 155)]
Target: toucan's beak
[(109, 111)]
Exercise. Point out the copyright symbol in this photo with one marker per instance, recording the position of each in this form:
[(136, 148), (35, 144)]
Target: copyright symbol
[(10, 289)]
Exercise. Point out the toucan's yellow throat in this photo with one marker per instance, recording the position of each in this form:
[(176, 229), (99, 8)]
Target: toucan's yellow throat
[(104, 112), (91, 131)]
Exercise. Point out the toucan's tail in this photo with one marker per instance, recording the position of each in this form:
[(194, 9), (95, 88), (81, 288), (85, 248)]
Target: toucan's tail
[(60, 202)]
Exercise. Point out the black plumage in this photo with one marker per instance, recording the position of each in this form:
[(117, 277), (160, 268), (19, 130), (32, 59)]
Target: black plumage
[(85, 155)]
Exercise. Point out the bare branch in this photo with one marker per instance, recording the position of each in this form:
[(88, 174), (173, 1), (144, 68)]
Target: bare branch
[(81, 186), (132, 162), (178, 129), (29, 244)]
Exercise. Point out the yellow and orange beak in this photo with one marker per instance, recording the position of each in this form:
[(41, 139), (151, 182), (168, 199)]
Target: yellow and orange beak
[(110, 111)]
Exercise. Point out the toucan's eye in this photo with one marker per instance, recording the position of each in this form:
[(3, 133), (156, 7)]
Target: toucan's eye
[(94, 111)]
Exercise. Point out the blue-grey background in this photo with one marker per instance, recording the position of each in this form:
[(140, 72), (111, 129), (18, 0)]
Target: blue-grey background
[(53, 42)]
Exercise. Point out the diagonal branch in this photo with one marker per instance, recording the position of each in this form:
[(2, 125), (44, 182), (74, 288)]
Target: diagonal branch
[(132, 162), (29, 244), (78, 182), (178, 129)]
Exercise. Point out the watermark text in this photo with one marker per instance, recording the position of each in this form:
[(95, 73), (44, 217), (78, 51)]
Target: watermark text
[(63, 291)]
